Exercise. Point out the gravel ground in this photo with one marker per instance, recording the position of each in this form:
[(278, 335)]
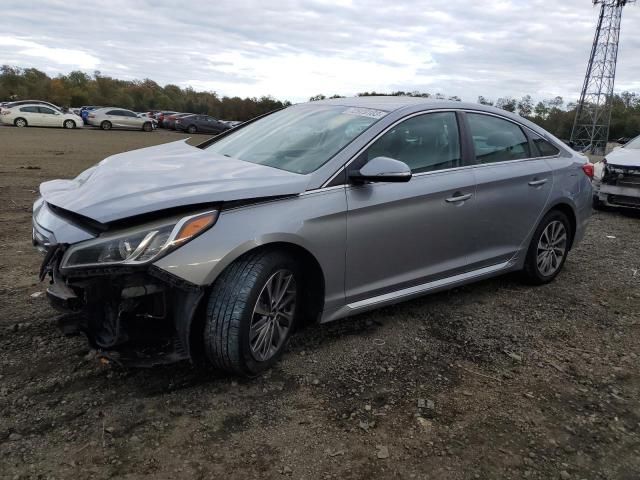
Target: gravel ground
[(493, 380)]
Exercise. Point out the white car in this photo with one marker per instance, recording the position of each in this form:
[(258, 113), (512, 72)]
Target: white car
[(33, 115)]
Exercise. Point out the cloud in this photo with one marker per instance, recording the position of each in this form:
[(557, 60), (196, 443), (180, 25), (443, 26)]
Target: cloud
[(293, 49)]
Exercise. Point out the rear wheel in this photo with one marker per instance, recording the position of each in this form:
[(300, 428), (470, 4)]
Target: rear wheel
[(548, 249), (69, 124), (20, 122), (106, 125), (147, 127), (252, 310), (192, 129)]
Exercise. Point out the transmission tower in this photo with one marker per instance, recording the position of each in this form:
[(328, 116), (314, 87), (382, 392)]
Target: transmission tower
[(593, 113)]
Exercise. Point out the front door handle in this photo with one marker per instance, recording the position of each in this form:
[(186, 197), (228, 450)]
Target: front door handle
[(458, 197), (537, 183)]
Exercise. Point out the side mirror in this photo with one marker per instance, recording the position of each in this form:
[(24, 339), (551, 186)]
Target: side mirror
[(382, 169)]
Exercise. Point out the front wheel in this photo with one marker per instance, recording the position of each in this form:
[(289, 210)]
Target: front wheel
[(192, 129), (69, 124), (147, 127), (252, 310), (548, 249)]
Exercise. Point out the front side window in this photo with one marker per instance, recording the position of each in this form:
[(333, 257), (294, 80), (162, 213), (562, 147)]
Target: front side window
[(298, 139), (425, 143), (497, 140), (46, 110)]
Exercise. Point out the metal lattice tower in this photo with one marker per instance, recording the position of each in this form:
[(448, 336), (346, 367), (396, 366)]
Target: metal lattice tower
[(593, 113)]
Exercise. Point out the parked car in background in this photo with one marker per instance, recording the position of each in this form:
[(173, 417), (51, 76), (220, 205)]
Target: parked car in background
[(84, 112), (616, 182), (32, 102), (38, 115), (120, 118), (160, 117), (221, 250), (169, 121), (201, 124)]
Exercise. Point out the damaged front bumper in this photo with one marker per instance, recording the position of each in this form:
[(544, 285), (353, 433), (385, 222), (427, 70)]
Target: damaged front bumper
[(138, 316), (618, 186)]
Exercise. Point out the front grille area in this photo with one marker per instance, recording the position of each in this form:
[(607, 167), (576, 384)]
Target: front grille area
[(624, 200)]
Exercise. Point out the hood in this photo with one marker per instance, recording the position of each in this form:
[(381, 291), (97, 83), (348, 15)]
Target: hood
[(166, 176), (624, 157)]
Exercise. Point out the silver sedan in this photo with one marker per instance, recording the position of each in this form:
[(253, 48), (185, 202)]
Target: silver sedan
[(312, 213), (112, 117)]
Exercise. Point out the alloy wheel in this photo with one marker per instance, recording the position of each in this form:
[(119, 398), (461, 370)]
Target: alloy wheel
[(273, 315), (552, 248)]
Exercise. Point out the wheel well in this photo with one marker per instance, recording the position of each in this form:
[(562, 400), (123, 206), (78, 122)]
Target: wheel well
[(313, 288), (568, 211)]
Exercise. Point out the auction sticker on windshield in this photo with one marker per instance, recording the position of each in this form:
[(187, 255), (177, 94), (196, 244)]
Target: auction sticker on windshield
[(365, 112)]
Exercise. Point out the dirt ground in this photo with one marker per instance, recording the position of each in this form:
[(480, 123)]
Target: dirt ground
[(494, 380)]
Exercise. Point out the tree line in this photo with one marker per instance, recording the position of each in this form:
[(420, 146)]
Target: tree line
[(78, 88)]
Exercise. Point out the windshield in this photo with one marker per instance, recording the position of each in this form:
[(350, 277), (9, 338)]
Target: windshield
[(298, 139), (635, 144)]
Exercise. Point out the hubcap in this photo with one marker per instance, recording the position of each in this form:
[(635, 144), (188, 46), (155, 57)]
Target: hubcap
[(552, 247), (272, 316)]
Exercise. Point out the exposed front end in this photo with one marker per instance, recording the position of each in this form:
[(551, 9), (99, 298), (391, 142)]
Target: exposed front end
[(617, 185)]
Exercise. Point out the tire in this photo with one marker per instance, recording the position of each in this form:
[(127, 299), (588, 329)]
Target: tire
[(69, 124), (192, 129), (105, 125), (147, 127), (597, 203), (233, 317), (20, 122), (553, 236)]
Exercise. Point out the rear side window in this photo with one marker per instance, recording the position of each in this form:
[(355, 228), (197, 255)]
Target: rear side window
[(497, 140), (29, 109), (545, 149), (113, 112), (425, 143)]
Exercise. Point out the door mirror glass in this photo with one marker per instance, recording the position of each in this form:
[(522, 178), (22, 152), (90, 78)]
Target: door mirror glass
[(382, 169)]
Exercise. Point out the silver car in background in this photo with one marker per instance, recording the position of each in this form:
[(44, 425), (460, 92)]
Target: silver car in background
[(111, 117), (312, 213)]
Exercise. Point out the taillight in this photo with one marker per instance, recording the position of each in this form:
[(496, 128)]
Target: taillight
[(587, 168)]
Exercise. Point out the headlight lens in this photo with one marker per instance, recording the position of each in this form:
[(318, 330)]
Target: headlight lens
[(140, 246)]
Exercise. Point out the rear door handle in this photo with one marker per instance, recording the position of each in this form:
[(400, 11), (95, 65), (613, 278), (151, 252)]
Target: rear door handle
[(537, 183), (458, 197)]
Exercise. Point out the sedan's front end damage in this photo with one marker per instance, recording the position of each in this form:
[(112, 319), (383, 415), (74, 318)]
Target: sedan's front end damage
[(130, 311), (616, 182)]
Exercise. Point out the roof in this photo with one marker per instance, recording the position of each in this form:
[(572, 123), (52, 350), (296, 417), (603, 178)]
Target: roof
[(391, 103)]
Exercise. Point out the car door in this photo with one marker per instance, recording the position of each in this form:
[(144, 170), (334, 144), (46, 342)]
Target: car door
[(210, 125), (49, 117), (512, 188), (406, 234), (31, 115), (130, 119)]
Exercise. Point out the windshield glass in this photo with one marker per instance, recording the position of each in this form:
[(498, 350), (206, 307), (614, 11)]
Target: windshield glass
[(635, 144), (298, 139)]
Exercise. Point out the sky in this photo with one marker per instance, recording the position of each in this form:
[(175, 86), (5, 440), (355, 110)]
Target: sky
[(295, 49)]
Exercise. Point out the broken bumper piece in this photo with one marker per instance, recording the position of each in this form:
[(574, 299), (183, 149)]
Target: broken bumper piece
[(130, 317), (619, 187)]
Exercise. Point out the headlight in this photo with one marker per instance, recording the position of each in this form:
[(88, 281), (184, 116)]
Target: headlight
[(138, 246)]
